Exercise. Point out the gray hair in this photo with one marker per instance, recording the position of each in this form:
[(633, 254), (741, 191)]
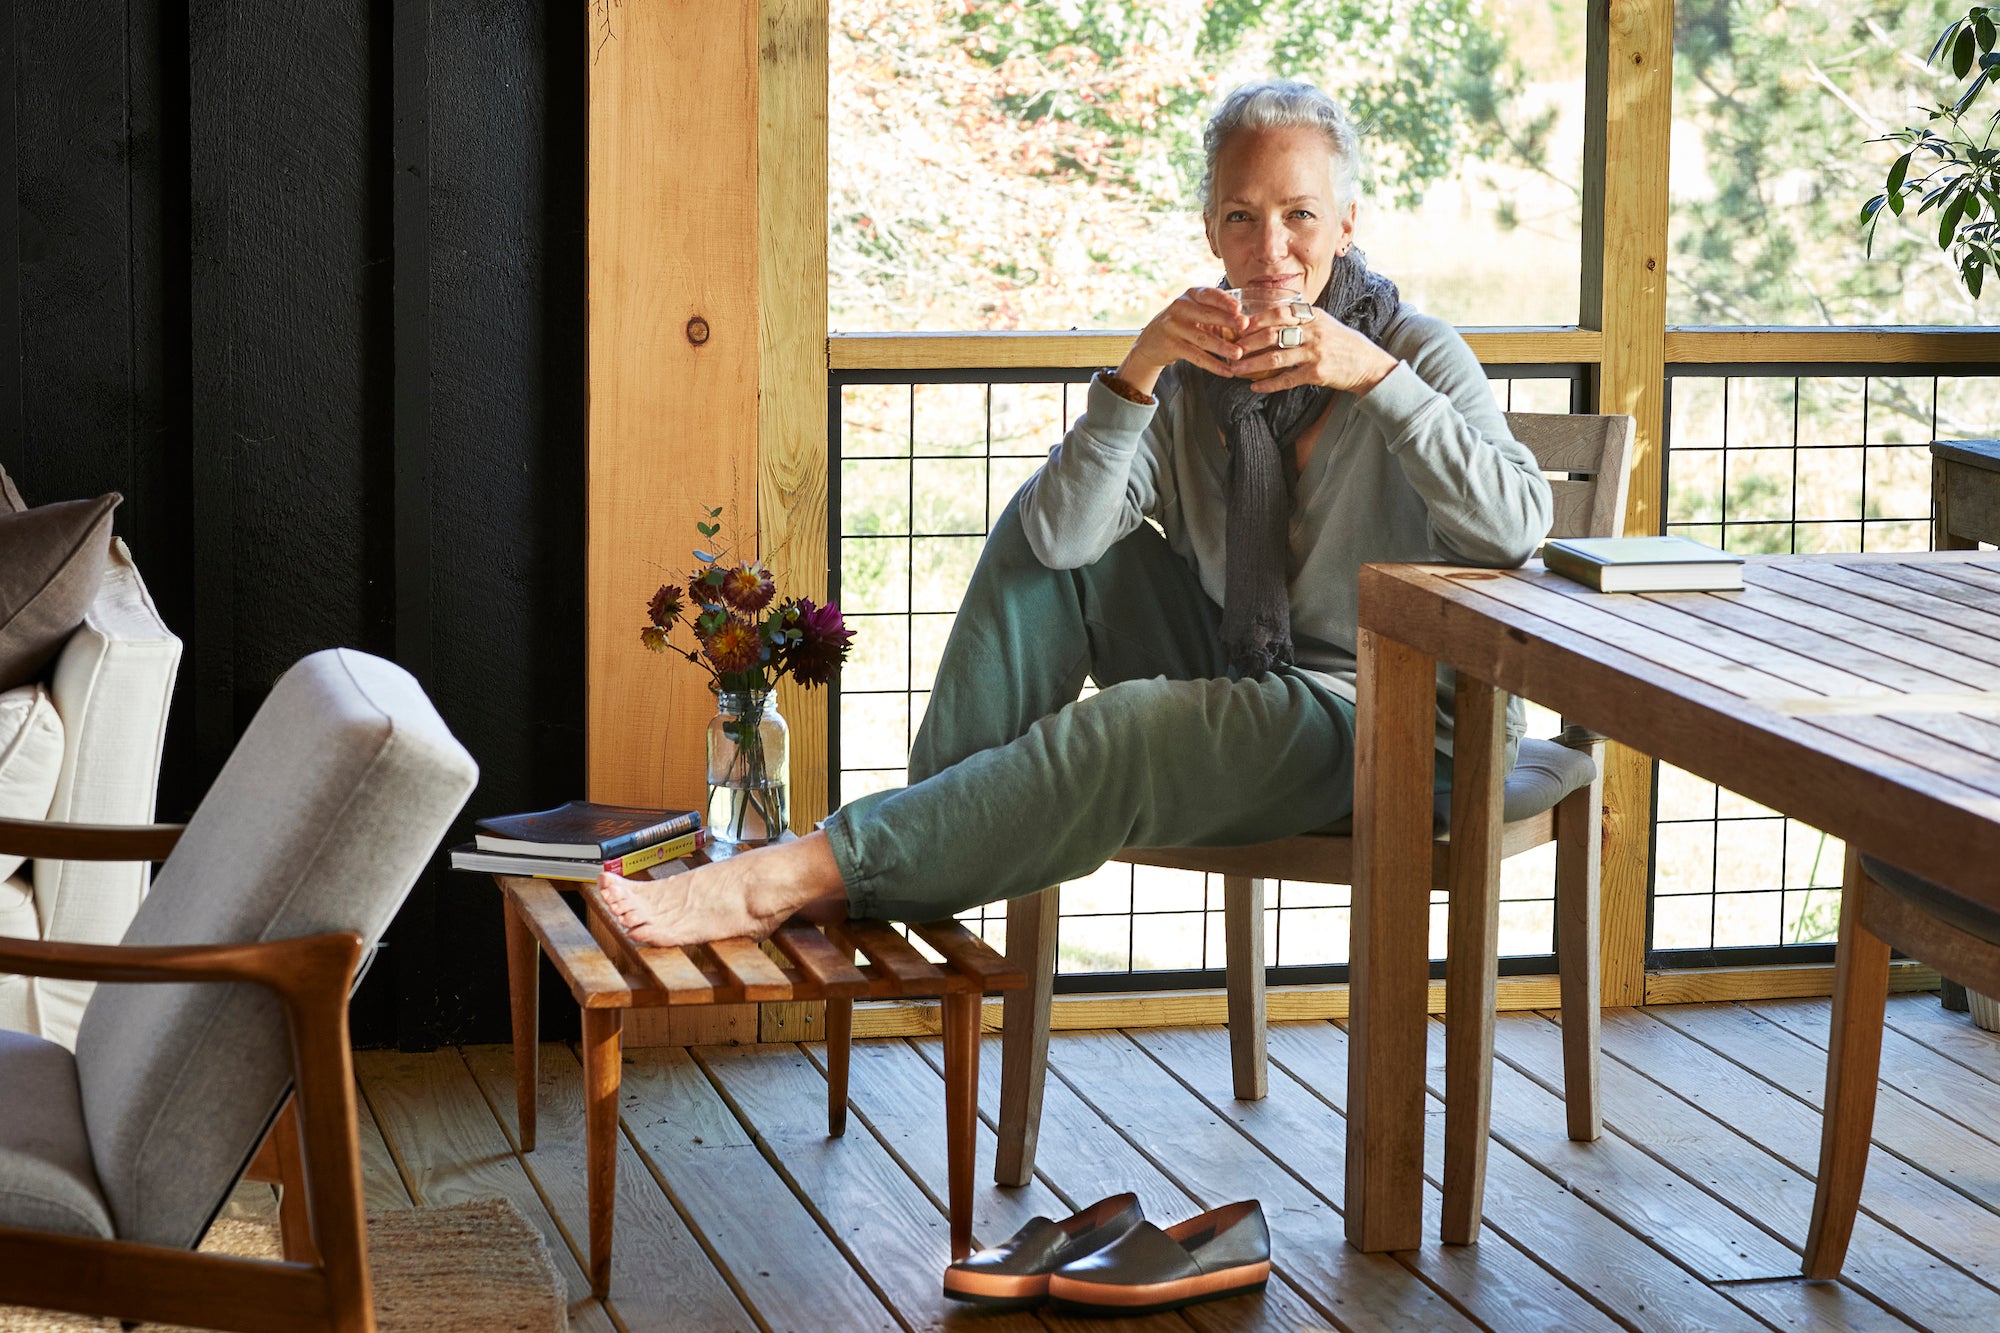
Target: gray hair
[(1281, 104)]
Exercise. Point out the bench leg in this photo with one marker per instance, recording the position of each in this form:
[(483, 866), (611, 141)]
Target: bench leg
[(602, 1070), (524, 979), (961, 1110), (1024, 1040), (839, 1043)]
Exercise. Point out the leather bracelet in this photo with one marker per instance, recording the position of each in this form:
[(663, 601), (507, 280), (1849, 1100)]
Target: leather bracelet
[(1111, 381)]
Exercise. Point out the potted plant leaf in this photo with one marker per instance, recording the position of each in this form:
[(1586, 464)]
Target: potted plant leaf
[(1950, 166)]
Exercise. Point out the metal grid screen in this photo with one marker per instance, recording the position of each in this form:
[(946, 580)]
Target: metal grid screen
[(921, 470), (1764, 460)]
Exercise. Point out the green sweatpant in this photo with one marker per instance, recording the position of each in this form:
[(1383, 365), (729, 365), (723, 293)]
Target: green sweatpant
[(1016, 784)]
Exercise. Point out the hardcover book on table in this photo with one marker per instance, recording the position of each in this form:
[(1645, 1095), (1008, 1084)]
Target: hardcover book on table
[(583, 830), (1644, 564), (468, 856)]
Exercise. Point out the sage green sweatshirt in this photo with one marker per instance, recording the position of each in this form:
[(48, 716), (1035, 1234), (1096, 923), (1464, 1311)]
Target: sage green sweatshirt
[(1422, 468)]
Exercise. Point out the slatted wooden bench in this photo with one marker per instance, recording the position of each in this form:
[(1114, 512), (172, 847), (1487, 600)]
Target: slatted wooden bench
[(608, 973)]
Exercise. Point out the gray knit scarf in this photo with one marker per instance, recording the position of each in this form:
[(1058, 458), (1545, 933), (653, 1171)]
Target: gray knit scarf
[(1261, 430)]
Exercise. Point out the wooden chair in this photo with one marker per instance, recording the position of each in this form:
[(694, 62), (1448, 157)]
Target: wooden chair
[(1881, 907), (1965, 511), (114, 1159), (1965, 494), (1564, 806)]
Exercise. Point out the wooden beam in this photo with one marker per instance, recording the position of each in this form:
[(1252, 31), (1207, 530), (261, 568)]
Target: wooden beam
[(674, 327), (1628, 95), (1294, 1004), (1073, 351), (791, 412), (1932, 345)]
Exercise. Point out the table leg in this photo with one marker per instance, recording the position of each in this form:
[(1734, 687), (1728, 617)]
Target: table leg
[(1479, 754), (839, 1043), (602, 1069), (524, 981), (1390, 971), (961, 1110)]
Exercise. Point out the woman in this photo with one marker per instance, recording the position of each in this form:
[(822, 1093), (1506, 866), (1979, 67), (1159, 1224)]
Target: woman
[(1277, 454)]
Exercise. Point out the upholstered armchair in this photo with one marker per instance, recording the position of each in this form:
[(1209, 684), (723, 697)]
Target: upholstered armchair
[(102, 712), (115, 1158)]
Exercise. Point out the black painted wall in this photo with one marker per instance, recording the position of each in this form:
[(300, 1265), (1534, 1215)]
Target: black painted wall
[(304, 279)]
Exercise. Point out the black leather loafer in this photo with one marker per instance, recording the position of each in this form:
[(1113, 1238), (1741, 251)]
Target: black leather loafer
[(1224, 1252), (1015, 1273)]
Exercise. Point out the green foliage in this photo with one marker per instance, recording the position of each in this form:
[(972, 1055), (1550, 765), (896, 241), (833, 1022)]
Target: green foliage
[(1784, 92), (1957, 172), (1428, 81)]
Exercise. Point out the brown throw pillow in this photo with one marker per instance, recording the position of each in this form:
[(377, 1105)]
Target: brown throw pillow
[(52, 560)]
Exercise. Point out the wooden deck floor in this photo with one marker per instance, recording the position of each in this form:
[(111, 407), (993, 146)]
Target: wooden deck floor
[(736, 1212)]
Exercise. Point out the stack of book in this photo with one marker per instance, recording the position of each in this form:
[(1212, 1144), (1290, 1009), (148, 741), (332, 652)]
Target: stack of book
[(578, 840)]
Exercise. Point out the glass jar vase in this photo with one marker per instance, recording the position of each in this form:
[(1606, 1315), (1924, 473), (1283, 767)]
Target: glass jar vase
[(749, 769)]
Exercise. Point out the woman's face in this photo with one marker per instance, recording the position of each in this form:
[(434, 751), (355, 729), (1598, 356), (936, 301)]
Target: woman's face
[(1274, 219)]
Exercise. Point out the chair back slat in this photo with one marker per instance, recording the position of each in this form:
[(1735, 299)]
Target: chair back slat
[(1595, 452)]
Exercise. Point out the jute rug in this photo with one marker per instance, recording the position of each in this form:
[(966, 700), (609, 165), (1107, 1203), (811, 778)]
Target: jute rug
[(469, 1268)]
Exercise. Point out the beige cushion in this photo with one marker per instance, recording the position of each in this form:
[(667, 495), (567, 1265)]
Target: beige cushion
[(329, 807), (31, 755), (51, 561), (46, 1179), (17, 918), (111, 684)]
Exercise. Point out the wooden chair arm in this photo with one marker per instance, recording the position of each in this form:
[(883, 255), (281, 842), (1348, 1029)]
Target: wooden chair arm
[(52, 840), (297, 969)]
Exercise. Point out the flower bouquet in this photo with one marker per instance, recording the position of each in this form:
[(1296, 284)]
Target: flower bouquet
[(747, 641)]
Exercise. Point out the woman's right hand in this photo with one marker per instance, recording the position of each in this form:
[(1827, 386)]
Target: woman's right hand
[(1190, 329)]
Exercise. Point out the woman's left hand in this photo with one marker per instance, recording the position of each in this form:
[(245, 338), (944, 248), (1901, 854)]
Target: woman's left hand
[(1327, 352)]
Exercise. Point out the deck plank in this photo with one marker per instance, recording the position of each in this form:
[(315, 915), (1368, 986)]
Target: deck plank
[(747, 1213), (1785, 1122), (1955, 1091), (653, 1248), (451, 1150), (1084, 1160), (1614, 1267), (1495, 1281), (1171, 1126), (1629, 1183), (1953, 1035), (1950, 1155), (382, 1186), (867, 1200), (1719, 1158), (900, 1099)]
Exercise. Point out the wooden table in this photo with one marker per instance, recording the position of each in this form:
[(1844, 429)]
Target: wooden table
[(1859, 693), (608, 973)]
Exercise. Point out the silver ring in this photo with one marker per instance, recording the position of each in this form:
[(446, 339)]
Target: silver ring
[(1291, 336)]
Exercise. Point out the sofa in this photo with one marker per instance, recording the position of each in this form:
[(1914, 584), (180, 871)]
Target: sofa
[(109, 686)]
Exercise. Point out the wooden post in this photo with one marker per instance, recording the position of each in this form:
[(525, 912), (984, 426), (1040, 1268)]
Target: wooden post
[(707, 337), (707, 341), (1628, 91)]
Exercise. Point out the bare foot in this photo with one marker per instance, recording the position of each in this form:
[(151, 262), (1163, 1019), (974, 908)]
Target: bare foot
[(750, 894)]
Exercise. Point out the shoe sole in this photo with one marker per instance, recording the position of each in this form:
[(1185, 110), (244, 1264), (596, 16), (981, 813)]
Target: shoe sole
[(1069, 1294), (1000, 1291)]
